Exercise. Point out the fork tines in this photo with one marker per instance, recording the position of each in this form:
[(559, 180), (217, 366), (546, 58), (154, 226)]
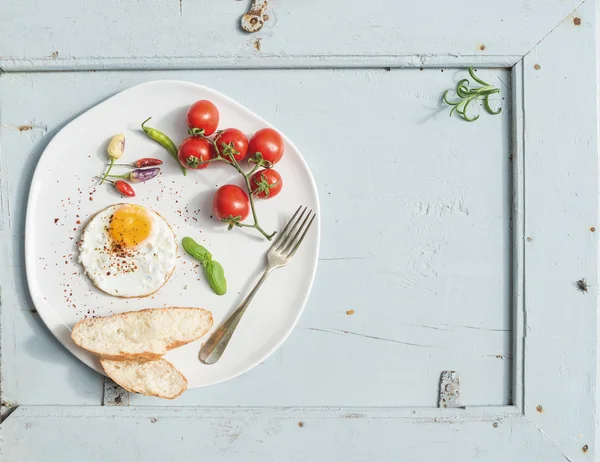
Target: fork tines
[(292, 235)]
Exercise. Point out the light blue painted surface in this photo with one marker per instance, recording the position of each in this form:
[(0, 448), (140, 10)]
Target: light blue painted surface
[(432, 287), (430, 264), (365, 435), (195, 34)]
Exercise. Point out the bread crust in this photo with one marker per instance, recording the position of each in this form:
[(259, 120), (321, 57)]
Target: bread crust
[(144, 355), (150, 394)]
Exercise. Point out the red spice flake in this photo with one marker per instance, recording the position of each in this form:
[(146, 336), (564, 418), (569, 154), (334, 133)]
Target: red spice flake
[(55, 220)]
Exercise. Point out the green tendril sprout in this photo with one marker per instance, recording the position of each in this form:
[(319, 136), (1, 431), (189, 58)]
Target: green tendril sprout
[(467, 95)]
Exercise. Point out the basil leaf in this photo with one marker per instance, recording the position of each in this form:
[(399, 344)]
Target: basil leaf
[(196, 250), (216, 277)]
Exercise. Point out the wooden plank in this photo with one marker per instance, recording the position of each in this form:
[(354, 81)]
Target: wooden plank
[(167, 34), (561, 199), (518, 234), (436, 299), (36, 369), (250, 434)]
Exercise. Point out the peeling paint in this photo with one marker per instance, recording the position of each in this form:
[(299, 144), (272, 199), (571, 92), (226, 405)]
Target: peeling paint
[(450, 390), (253, 20), (114, 395)]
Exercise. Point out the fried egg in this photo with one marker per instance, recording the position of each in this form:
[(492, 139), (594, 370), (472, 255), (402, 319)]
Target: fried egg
[(128, 250)]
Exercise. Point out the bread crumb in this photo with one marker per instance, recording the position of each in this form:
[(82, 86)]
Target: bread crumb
[(350, 312)]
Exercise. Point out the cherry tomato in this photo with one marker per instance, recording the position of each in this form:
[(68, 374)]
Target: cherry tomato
[(266, 183), (193, 151), (269, 143), (231, 201), (203, 115), (239, 140)]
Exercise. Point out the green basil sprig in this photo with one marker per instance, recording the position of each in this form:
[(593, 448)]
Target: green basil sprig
[(212, 269)]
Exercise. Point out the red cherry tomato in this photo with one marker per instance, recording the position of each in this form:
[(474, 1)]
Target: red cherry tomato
[(193, 151), (231, 201), (239, 140), (269, 143), (266, 184), (203, 115)]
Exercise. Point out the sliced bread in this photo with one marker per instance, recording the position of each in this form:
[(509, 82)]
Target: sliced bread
[(152, 378), (144, 334)]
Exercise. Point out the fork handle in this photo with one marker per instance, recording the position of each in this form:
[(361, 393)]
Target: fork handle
[(212, 350)]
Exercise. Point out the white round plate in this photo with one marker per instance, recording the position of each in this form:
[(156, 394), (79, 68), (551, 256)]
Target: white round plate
[(64, 195)]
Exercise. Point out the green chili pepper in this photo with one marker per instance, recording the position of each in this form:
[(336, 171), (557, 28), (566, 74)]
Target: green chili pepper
[(216, 277), (163, 140), (212, 269)]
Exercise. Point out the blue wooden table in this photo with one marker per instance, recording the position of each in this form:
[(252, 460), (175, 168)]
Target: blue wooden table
[(445, 246)]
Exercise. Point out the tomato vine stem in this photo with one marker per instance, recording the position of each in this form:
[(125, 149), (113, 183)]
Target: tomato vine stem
[(228, 156)]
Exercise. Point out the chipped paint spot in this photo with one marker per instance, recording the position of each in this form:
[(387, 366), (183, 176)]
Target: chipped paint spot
[(254, 19), (537, 67), (300, 424), (350, 312), (114, 395), (25, 128), (54, 55), (585, 448), (495, 425), (450, 390), (539, 408), (582, 285), (482, 47), (577, 21), (257, 44), (529, 239), (593, 229)]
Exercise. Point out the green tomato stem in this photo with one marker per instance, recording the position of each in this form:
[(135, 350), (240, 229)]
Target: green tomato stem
[(234, 163)]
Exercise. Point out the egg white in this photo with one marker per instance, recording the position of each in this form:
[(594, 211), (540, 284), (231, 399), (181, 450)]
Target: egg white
[(148, 266)]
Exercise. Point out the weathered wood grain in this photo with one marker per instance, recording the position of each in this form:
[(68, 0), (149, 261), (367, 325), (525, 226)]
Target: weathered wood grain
[(416, 235), (188, 34), (561, 201), (148, 435)]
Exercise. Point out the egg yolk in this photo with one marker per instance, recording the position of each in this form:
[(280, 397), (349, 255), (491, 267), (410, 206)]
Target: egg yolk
[(130, 225)]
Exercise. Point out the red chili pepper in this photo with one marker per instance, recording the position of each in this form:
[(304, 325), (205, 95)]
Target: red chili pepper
[(124, 188), (147, 162), (141, 163)]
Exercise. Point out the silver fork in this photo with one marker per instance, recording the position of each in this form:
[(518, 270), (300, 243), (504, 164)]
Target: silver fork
[(280, 254)]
